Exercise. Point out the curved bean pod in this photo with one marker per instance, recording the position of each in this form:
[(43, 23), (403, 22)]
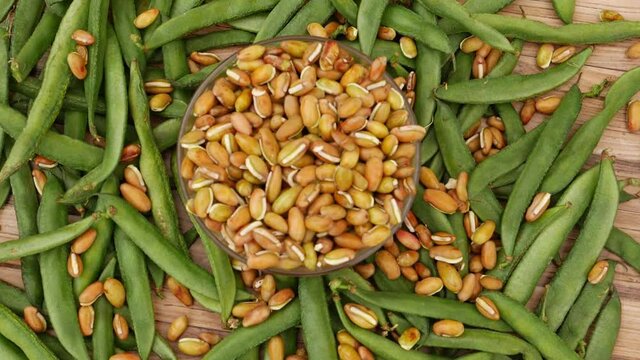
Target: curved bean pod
[(531, 328), (428, 66), (13, 298), (37, 44), (315, 320), (134, 274), (605, 331), (277, 19), (252, 23), (408, 23), (97, 26), (313, 11), (218, 39), (539, 161), (242, 339), (14, 329), (511, 120), (586, 308), (474, 7), (513, 87), (192, 81), (10, 351), (54, 85), (486, 340), (203, 16), (525, 276), (59, 297), (625, 246), (5, 7), (124, 12), (116, 95), (456, 12), (25, 18), (348, 9), (572, 274), (368, 21), (576, 152), (73, 99), (565, 9)]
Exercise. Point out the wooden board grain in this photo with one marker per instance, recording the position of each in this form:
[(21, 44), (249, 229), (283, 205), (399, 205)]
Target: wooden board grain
[(607, 62)]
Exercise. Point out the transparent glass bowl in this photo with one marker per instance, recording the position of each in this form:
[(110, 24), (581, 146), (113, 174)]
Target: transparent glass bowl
[(187, 124)]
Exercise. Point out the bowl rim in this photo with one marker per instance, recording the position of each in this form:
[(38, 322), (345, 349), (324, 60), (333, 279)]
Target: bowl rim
[(187, 124)]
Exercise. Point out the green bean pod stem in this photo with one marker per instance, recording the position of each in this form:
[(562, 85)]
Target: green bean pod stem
[(25, 18), (218, 39), (513, 87), (237, 343), (16, 331), (576, 34), (586, 308), (152, 164), (35, 244), (116, 95), (525, 276), (37, 44), (278, 18), (97, 26), (565, 9), (93, 258), (458, 13), (134, 274), (407, 22), (48, 103), (539, 161), (13, 298), (314, 318), (431, 307), (531, 328), (513, 127), (486, 340), (471, 113), (379, 345), (576, 152), (368, 21), (605, 331), (25, 203), (203, 16), (128, 35), (59, 297), (102, 338), (313, 11), (10, 351), (572, 274)]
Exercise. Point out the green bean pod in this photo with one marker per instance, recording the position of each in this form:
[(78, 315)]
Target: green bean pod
[(462, 242), (13, 298), (116, 95), (348, 9), (97, 26), (483, 356), (175, 64), (93, 258), (73, 100), (525, 276), (576, 34), (313, 11), (16, 331), (379, 345), (218, 39), (565, 9), (625, 246), (59, 297), (55, 347), (513, 87), (605, 330), (10, 351), (407, 22), (314, 318), (134, 274), (25, 19), (456, 12), (431, 307), (75, 124), (37, 44), (539, 161), (203, 16), (278, 19), (429, 146), (572, 274), (128, 35), (471, 113), (576, 152), (486, 340), (428, 66), (586, 308), (192, 81), (5, 7), (152, 164), (237, 343), (531, 328), (162, 348), (513, 128), (251, 23), (102, 337), (368, 21), (56, 79), (474, 7)]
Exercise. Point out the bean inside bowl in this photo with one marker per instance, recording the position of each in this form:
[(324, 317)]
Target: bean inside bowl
[(299, 155)]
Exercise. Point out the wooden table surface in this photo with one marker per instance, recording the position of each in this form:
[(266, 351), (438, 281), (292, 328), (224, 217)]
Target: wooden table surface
[(607, 62)]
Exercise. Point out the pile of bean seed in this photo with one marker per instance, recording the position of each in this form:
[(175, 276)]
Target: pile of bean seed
[(301, 156)]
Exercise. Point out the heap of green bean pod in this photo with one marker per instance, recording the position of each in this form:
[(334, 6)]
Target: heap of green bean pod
[(92, 96)]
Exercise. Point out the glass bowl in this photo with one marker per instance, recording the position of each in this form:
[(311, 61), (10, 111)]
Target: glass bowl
[(187, 124)]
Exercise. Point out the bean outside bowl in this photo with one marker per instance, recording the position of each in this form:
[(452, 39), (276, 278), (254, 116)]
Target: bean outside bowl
[(187, 124)]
